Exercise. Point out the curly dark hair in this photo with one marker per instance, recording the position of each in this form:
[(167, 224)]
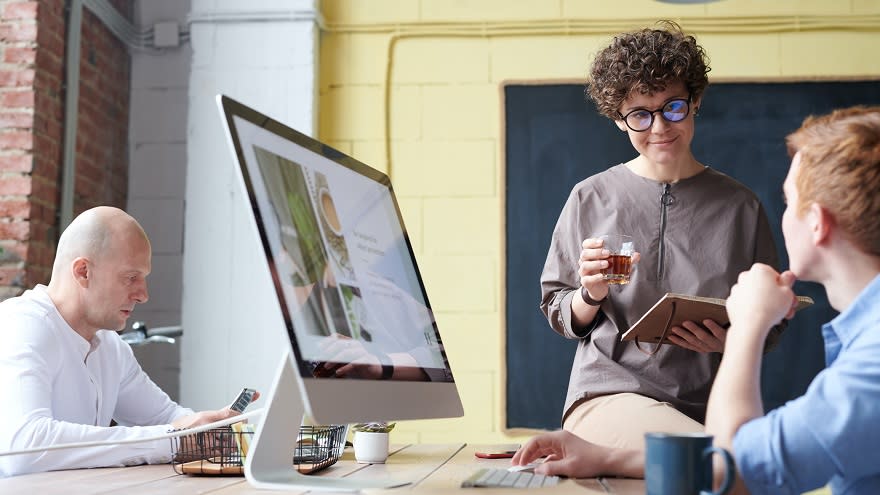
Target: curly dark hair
[(646, 61)]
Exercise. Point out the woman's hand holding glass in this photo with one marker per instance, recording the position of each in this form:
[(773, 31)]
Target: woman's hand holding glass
[(594, 259)]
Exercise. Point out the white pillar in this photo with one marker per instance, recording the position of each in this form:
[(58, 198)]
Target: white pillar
[(264, 54), (157, 177)]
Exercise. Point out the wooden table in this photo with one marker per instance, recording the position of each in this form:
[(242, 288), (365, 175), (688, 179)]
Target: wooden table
[(431, 468)]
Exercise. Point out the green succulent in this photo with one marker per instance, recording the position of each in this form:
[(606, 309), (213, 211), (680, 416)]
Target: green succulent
[(376, 427)]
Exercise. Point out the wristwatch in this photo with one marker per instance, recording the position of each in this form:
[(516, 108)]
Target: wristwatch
[(387, 371), (585, 295)]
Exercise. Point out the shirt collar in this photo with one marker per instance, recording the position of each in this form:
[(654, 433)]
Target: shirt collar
[(82, 346), (858, 317)]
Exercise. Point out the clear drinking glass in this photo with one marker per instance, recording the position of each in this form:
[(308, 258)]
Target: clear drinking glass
[(622, 249)]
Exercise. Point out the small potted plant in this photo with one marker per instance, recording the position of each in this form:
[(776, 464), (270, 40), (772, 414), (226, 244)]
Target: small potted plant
[(371, 442)]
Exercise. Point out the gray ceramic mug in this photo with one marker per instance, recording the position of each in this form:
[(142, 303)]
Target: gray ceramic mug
[(681, 464)]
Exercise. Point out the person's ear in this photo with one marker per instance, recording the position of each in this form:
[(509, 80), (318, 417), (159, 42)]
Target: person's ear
[(821, 222), (81, 271), (620, 125), (695, 105)]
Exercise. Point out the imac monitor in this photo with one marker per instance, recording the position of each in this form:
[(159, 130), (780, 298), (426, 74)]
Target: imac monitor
[(364, 345)]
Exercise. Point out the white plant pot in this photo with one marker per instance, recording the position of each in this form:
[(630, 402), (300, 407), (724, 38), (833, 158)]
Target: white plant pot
[(370, 447)]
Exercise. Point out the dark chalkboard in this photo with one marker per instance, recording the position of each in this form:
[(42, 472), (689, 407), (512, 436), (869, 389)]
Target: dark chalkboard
[(554, 139)]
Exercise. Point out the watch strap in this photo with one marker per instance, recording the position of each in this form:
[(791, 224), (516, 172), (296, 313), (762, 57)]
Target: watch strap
[(585, 295), (387, 369)]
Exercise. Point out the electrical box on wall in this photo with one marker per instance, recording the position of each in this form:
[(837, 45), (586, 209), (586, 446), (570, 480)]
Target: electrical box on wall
[(166, 35)]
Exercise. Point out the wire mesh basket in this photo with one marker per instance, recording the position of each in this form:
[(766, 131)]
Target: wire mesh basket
[(318, 447), (222, 451)]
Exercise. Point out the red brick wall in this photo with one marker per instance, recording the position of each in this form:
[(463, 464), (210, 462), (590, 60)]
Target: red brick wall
[(32, 78)]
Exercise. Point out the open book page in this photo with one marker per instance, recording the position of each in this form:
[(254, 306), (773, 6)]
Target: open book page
[(674, 309)]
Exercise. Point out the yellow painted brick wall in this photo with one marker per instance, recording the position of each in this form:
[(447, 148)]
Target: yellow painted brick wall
[(445, 111)]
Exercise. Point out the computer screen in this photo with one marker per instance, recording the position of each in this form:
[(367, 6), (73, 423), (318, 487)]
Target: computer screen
[(364, 344)]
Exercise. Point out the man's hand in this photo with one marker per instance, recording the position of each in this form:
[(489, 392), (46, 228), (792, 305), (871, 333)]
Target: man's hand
[(572, 456), (709, 337), (205, 417), (761, 298)]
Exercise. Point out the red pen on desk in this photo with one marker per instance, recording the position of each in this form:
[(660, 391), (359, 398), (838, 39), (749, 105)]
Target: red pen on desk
[(505, 454)]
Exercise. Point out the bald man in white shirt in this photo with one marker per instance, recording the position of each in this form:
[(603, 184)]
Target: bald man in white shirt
[(64, 371)]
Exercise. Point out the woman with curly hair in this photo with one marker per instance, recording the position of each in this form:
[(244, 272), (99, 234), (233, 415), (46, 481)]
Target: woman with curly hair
[(696, 230)]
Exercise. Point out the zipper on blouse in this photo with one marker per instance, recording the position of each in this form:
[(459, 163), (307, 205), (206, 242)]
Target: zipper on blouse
[(666, 199)]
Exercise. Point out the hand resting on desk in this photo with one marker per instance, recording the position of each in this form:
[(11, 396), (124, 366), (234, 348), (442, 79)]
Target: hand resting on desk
[(572, 456)]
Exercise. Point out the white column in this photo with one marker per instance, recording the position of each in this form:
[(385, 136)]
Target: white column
[(264, 54), (156, 179)]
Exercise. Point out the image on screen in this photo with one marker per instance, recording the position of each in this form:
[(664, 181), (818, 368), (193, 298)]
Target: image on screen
[(341, 262)]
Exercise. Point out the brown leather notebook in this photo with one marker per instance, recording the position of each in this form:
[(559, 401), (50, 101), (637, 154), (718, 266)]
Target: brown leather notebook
[(674, 309)]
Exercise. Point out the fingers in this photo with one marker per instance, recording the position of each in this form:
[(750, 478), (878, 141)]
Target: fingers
[(551, 445), (535, 448), (205, 417), (792, 309), (717, 331), (592, 262), (685, 343), (593, 259), (763, 268), (591, 267), (344, 369), (681, 341), (525, 454), (788, 278), (591, 243), (221, 414), (593, 280), (761, 297), (696, 338), (591, 249), (200, 418), (690, 336), (558, 467), (566, 454)]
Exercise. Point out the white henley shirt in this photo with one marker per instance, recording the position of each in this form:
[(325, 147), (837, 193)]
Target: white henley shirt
[(59, 388)]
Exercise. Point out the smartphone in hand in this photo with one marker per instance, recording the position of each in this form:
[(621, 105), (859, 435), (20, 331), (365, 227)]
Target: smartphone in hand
[(244, 398)]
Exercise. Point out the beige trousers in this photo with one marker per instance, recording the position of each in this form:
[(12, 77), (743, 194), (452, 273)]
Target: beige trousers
[(621, 420)]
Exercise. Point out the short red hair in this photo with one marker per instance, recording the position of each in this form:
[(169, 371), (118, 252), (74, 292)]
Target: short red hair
[(840, 170)]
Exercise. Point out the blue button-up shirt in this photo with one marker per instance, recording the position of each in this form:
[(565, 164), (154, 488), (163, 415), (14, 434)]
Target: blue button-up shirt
[(831, 433)]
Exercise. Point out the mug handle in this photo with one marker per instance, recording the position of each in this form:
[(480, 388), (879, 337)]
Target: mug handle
[(729, 469)]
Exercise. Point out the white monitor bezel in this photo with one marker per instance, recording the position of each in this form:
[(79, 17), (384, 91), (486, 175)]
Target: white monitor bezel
[(329, 400)]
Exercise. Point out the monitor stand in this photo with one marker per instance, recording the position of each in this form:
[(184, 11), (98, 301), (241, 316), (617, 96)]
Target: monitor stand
[(269, 463)]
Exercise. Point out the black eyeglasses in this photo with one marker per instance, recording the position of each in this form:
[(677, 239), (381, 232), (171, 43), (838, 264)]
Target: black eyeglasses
[(641, 120)]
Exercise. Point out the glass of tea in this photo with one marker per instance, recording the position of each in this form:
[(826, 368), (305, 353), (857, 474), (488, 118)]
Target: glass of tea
[(622, 249)]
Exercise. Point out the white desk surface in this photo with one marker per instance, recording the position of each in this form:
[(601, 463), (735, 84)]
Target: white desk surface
[(431, 469)]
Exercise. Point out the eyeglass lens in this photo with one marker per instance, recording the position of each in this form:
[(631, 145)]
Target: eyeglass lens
[(673, 111)]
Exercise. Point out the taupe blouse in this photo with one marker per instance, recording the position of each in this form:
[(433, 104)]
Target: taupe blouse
[(694, 236)]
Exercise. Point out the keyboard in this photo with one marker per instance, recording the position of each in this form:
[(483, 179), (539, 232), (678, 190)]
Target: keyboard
[(502, 478)]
